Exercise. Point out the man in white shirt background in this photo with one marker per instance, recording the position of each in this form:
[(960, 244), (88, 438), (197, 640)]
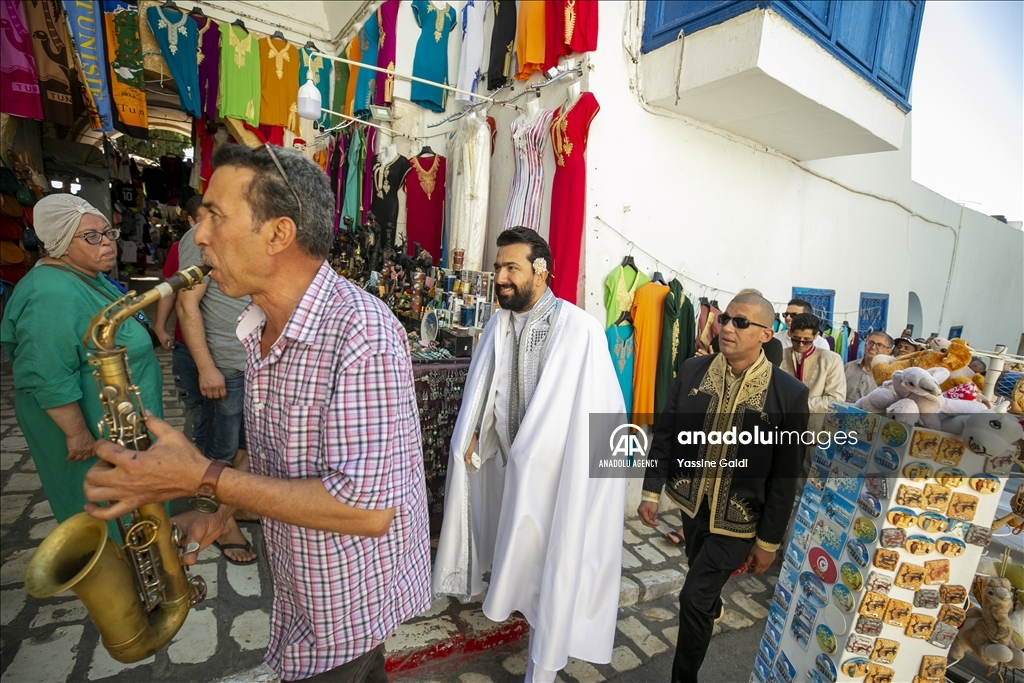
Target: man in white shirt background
[(794, 308), (859, 380)]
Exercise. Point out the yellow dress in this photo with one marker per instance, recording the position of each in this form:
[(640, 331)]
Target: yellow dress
[(279, 72), (530, 45), (648, 314)]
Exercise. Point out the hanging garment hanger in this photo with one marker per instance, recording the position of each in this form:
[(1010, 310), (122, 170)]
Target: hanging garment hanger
[(197, 11), (240, 24), (277, 34), (628, 262), (425, 151), (311, 46), (624, 317), (714, 304), (170, 4)]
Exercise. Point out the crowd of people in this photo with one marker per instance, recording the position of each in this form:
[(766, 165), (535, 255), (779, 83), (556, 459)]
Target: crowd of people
[(300, 393)]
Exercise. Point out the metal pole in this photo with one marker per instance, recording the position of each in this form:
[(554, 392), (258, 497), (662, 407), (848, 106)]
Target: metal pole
[(390, 72), (995, 369)]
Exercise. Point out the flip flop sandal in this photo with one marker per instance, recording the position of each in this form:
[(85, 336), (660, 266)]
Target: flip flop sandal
[(247, 547), (675, 538)]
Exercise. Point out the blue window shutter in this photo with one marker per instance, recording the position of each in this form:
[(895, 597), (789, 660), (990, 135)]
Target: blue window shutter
[(897, 43), (856, 30), (874, 313), (817, 12)]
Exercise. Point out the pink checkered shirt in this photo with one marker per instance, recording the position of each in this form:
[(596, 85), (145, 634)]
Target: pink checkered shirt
[(334, 399)]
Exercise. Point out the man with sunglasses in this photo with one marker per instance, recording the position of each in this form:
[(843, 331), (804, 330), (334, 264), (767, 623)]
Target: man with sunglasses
[(331, 423), (735, 490), (821, 370), (794, 308)]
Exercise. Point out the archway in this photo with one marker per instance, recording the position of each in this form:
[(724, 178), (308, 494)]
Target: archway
[(914, 315)]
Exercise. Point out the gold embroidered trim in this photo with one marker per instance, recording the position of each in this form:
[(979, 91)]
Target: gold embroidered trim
[(241, 47), (570, 20), (428, 179), (559, 134), (389, 84), (280, 56), (199, 44), (313, 66)]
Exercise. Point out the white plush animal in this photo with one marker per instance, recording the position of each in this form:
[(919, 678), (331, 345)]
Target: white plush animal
[(991, 434), (914, 397)]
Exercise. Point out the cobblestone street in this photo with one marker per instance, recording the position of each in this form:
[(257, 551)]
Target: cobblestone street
[(53, 640)]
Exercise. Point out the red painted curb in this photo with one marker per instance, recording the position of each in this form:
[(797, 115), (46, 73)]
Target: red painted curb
[(460, 644)]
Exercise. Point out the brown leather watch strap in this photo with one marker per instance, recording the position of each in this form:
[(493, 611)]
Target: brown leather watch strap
[(208, 487)]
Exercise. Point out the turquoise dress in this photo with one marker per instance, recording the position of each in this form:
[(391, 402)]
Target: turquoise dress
[(431, 59), (353, 184), (366, 79), (178, 37), (41, 331), (620, 346), (313, 65)]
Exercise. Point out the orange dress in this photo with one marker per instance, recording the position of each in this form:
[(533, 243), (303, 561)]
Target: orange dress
[(530, 39), (354, 53), (279, 72), (648, 313)]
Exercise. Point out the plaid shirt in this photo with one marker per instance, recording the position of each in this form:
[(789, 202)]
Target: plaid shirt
[(334, 399)]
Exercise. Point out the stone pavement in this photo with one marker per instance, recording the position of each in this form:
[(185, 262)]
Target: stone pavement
[(54, 641)]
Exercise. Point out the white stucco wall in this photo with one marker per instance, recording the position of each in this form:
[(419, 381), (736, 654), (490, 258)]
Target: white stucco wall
[(729, 213)]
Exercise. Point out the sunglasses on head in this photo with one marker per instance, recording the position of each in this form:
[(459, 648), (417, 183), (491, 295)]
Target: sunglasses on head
[(737, 322)]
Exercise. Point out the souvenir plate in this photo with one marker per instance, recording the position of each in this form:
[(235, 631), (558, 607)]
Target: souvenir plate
[(822, 565), (842, 597)]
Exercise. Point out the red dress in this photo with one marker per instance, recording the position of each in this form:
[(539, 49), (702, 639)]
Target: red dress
[(424, 204), (569, 26), (569, 131)]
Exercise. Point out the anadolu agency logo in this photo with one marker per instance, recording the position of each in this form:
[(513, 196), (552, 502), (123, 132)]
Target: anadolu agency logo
[(627, 445)]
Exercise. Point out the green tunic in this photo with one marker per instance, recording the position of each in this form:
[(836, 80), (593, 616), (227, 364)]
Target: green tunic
[(41, 332), (678, 338)]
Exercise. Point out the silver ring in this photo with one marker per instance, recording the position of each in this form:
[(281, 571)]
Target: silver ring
[(191, 548)]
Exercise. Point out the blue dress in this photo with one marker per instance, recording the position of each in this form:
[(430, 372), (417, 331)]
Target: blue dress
[(178, 37), (431, 60), (620, 346), (366, 80), (313, 65)]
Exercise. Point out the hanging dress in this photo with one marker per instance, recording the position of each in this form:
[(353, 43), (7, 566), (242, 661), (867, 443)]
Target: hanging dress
[(530, 40), (621, 347), (279, 74), (19, 94), (569, 133), (208, 61), (178, 37), (469, 158), (353, 182), (503, 42), (239, 75), (431, 59), (50, 49), (580, 25), (619, 289), (313, 66), (526, 195), (555, 45), (648, 318), (366, 82), (425, 190), (387, 23), (387, 181), (677, 340), (352, 53), (472, 55)]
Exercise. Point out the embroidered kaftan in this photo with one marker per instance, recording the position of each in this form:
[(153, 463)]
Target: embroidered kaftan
[(279, 74), (431, 60), (178, 37), (239, 75), (503, 41), (366, 81), (387, 22), (314, 66), (469, 157), (471, 58)]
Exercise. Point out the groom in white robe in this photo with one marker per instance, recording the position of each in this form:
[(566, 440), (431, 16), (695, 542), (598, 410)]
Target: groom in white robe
[(520, 501)]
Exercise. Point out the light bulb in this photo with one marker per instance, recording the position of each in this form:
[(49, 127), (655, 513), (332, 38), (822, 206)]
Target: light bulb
[(309, 102)]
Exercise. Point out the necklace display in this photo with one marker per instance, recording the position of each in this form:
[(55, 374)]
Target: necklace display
[(439, 395)]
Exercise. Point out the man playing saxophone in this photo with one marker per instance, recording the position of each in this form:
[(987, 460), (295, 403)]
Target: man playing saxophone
[(332, 427)]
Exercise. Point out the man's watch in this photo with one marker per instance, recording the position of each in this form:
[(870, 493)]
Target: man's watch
[(205, 499)]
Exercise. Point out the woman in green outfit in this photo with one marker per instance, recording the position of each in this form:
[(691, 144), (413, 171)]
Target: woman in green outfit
[(55, 396)]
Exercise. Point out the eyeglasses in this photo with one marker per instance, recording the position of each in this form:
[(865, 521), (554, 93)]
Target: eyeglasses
[(881, 345), (284, 176), (738, 323), (95, 238)]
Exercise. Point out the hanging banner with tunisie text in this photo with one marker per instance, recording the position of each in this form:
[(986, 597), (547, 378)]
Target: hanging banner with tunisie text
[(87, 31), (127, 84)]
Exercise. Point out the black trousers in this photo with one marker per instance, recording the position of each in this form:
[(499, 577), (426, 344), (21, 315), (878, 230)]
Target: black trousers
[(366, 668), (712, 559)]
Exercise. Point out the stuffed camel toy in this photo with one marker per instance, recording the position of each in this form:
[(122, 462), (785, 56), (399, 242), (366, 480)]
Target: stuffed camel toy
[(986, 633), (914, 396), (954, 356)]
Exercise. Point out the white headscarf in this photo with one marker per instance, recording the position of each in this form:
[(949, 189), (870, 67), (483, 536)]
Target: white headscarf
[(57, 217)]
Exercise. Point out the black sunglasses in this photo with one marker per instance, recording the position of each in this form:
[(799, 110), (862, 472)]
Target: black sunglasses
[(738, 323), (284, 176)]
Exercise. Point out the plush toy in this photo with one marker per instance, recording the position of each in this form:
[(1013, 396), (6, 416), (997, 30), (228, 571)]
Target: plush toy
[(991, 434), (913, 396), (986, 633), (954, 356)]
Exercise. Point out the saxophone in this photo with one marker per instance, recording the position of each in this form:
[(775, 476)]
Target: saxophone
[(79, 555)]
